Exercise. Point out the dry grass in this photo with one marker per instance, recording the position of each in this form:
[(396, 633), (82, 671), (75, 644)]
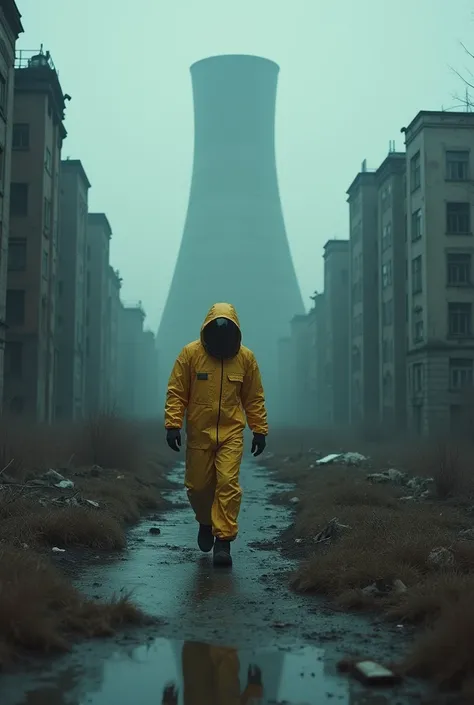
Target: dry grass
[(39, 608), (389, 539), (41, 611)]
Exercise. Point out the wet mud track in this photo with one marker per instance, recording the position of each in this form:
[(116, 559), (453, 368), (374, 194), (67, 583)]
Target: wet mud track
[(214, 622)]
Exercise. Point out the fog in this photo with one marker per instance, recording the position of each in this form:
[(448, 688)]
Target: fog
[(352, 74)]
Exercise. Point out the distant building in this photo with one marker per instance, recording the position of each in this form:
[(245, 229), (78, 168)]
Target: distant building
[(440, 200), (99, 233), (71, 291), (317, 382), (286, 406), (131, 373), (303, 414), (150, 402), (364, 317), (38, 134), (336, 293), (10, 29), (392, 307), (114, 307)]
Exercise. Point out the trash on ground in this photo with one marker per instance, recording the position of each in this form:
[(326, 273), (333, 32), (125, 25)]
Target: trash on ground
[(384, 587), (372, 673), (392, 476), (155, 531), (332, 530), (466, 535), (294, 500), (53, 476), (55, 549), (441, 557), (343, 458), (120, 477), (65, 485)]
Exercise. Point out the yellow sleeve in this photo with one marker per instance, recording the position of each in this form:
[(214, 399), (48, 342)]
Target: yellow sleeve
[(253, 399), (177, 395)]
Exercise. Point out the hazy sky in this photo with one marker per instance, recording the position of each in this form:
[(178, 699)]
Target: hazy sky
[(352, 74)]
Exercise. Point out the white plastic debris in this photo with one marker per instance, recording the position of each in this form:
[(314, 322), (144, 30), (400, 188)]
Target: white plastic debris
[(298, 540), (351, 458), (294, 500), (329, 458), (92, 503), (65, 485), (392, 476), (442, 557), (53, 476), (55, 549)]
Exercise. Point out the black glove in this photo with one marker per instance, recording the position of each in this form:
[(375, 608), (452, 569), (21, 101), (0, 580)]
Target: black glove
[(173, 438), (258, 444), (254, 674), (170, 693)]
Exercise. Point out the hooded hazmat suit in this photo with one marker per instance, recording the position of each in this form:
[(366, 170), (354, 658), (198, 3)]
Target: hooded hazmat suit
[(217, 396)]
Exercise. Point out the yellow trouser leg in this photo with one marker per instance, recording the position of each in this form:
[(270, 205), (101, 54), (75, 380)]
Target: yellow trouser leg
[(228, 494), (200, 481)]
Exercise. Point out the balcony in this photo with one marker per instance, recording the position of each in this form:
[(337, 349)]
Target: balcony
[(34, 58)]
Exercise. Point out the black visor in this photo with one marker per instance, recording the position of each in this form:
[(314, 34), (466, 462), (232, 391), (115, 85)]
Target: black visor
[(222, 338)]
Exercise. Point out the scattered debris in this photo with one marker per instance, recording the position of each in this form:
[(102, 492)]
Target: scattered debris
[(354, 459), (53, 476), (294, 500), (392, 476), (120, 477), (298, 540), (95, 471), (155, 531), (55, 549), (384, 587), (372, 673), (65, 485), (466, 535), (332, 530), (441, 557), (73, 501)]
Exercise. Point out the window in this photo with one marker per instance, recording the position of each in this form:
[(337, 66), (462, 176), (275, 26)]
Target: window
[(459, 268), (460, 373), (3, 93), (21, 136), (387, 313), (15, 307), (357, 326), (17, 255), (387, 350), (418, 325), (18, 199), (416, 275), (13, 359), (386, 197), (417, 378), (357, 292), (457, 165), (47, 216), (387, 274), (48, 162), (459, 320), (387, 237), (45, 267), (416, 229), (415, 172), (458, 218)]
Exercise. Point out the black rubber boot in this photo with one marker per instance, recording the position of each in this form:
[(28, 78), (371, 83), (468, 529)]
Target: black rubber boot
[(222, 555), (205, 538)]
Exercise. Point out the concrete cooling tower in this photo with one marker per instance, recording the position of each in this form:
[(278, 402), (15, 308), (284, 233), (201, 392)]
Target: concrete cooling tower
[(234, 247)]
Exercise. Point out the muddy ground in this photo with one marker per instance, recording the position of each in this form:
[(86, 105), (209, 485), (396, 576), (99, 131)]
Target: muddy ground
[(296, 640)]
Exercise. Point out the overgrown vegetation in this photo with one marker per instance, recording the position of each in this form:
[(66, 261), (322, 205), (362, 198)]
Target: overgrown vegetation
[(113, 471), (389, 538)]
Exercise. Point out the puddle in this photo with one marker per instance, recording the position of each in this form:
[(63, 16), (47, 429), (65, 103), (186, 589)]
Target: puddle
[(191, 673)]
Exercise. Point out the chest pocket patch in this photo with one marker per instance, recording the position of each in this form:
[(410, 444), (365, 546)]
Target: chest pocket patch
[(202, 388), (233, 388)]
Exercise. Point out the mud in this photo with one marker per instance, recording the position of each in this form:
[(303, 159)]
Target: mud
[(232, 619)]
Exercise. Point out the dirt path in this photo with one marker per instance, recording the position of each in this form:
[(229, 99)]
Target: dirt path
[(295, 640)]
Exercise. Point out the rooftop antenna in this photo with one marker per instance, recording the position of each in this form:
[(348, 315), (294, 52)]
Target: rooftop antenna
[(364, 166)]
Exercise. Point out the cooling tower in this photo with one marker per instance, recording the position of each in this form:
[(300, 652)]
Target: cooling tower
[(234, 246)]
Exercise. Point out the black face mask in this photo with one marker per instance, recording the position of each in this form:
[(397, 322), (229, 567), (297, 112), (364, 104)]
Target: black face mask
[(222, 338)]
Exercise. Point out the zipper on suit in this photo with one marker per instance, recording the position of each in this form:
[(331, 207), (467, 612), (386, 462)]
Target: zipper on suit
[(220, 402)]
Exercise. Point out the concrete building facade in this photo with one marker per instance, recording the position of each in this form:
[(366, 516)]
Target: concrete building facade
[(99, 233), (132, 376), (336, 293), (440, 252), (392, 238), (113, 322), (10, 29), (71, 291), (318, 384), (38, 134), (363, 285)]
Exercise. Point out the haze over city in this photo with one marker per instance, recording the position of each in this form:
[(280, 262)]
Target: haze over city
[(352, 74)]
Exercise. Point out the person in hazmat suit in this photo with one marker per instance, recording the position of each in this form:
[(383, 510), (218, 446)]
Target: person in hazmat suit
[(216, 384)]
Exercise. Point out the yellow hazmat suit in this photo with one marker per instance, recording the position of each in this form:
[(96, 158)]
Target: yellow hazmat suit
[(216, 396)]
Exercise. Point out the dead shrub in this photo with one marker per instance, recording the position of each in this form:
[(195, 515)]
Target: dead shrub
[(110, 442), (40, 610), (447, 466)]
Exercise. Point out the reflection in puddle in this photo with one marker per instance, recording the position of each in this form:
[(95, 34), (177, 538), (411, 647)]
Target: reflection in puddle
[(189, 673)]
